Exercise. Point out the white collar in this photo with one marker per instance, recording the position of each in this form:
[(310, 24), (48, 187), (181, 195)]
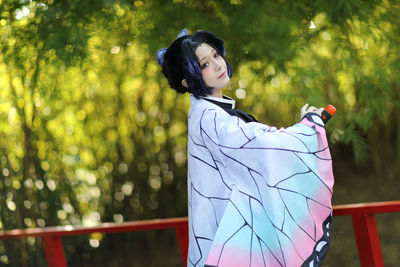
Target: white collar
[(225, 99)]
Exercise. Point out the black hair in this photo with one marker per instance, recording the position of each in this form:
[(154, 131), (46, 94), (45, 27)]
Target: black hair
[(181, 62)]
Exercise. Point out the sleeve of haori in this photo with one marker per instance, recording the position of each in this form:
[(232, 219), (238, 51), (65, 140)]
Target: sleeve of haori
[(279, 212)]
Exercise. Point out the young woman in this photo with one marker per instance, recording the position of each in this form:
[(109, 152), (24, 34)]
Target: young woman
[(257, 196)]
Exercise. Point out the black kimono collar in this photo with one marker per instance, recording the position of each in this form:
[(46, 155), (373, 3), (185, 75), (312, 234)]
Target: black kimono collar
[(228, 104), (224, 102)]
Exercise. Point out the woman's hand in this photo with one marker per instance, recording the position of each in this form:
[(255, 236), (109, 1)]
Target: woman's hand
[(305, 109)]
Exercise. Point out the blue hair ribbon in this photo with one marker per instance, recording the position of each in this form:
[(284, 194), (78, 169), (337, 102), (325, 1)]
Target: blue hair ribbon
[(162, 51)]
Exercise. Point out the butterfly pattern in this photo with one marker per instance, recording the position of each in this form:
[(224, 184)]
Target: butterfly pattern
[(257, 195)]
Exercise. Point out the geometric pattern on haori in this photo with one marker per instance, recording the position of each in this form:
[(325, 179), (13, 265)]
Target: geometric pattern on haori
[(257, 195)]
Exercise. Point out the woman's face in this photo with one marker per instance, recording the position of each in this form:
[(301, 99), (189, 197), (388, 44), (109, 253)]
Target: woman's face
[(213, 67)]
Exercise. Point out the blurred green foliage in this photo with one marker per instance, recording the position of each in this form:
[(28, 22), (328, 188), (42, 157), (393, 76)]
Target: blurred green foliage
[(90, 131)]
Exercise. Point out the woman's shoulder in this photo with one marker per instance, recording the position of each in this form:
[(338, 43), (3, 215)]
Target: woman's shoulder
[(201, 108)]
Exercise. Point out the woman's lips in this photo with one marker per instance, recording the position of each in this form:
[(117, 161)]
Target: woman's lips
[(222, 75)]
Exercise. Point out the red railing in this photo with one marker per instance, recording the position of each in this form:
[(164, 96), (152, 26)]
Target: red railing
[(52, 236), (365, 229), (363, 217)]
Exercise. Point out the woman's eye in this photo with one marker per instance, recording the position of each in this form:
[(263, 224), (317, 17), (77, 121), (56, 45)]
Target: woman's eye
[(204, 65), (216, 55)]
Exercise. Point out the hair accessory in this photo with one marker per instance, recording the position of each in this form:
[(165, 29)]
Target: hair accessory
[(183, 32), (161, 55), (162, 51)]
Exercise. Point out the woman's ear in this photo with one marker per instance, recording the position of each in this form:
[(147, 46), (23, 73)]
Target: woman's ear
[(184, 83)]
